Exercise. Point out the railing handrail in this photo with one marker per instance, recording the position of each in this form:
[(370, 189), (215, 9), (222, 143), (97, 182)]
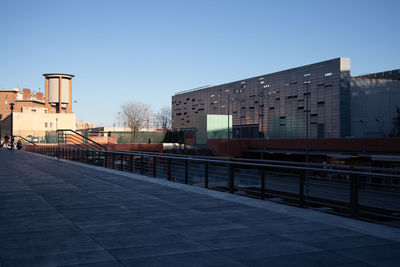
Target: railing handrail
[(23, 138), (289, 163), (273, 166), (84, 137)]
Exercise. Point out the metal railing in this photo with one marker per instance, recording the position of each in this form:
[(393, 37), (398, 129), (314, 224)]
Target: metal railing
[(26, 140), (360, 194), (68, 138)]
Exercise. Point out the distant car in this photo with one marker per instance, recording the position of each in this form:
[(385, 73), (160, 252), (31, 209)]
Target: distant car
[(35, 140)]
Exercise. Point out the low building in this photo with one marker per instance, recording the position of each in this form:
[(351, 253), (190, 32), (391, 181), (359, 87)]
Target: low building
[(35, 115)]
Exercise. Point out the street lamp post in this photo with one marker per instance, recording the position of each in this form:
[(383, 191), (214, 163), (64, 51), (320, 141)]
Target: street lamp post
[(12, 126), (228, 106), (262, 123), (307, 111)]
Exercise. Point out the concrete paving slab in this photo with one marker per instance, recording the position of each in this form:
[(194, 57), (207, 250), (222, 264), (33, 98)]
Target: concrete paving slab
[(58, 213), (202, 258), (322, 258)]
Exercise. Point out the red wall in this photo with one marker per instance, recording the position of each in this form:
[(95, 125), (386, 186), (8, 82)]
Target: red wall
[(137, 147), (125, 147), (104, 139), (384, 145)]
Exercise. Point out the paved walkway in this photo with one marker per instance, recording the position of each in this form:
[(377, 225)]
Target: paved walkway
[(56, 213)]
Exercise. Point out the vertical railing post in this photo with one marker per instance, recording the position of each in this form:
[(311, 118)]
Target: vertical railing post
[(354, 196), (169, 169), (130, 163), (105, 159), (186, 171), (206, 174), (301, 189), (141, 165), (113, 160), (231, 178), (121, 159), (87, 155), (262, 182), (154, 167)]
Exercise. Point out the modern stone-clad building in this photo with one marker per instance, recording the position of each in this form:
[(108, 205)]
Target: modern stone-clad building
[(282, 104), (275, 105)]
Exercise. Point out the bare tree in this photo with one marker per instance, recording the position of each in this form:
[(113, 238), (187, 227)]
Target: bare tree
[(163, 118), (135, 115)]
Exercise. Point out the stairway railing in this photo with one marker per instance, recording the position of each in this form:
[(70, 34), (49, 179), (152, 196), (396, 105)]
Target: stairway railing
[(71, 138)]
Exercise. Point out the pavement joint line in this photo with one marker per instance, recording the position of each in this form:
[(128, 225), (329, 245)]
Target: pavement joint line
[(378, 230)]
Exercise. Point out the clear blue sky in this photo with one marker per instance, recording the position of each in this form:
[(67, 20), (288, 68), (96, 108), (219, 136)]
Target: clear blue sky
[(147, 50)]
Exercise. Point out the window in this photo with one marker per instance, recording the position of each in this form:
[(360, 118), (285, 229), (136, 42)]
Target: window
[(262, 82), (6, 96), (6, 102), (307, 74), (6, 108), (328, 74), (45, 124), (266, 86)]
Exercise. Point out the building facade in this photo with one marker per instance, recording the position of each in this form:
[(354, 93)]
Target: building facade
[(320, 100), (35, 115), (374, 99), (277, 105)]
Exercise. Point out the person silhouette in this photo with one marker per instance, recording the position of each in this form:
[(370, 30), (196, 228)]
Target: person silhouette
[(19, 144)]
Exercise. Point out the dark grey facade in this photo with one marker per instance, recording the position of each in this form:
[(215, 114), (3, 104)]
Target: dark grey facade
[(374, 99), (275, 105)]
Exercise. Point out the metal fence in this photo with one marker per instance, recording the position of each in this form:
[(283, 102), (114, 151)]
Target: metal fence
[(366, 194)]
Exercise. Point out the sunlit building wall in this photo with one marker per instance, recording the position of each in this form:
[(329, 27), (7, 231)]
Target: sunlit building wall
[(276, 105)]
